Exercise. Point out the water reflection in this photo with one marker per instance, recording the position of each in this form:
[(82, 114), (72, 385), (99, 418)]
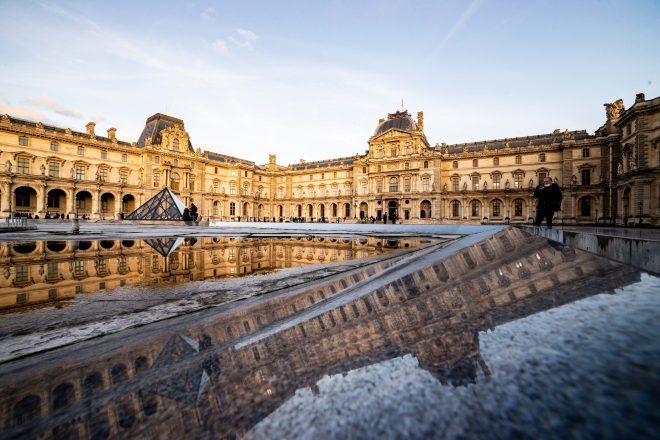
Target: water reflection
[(218, 374), (43, 272)]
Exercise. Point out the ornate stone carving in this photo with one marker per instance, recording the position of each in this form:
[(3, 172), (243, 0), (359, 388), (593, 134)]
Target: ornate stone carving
[(614, 110)]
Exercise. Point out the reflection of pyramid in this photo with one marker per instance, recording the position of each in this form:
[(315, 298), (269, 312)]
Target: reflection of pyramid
[(185, 386), (164, 246), (163, 206)]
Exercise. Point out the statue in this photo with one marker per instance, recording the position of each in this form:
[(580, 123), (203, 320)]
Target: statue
[(620, 168), (507, 185), (464, 186), (573, 180), (613, 110), (485, 185), (444, 187), (43, 169), (72, 174), (9, 166)]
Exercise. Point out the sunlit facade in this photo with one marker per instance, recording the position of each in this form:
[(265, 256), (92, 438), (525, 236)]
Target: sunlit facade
[(612, 175)]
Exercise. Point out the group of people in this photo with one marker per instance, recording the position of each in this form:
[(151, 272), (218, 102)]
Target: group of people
[(190, 214)]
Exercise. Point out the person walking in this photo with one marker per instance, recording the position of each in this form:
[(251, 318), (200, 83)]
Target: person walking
[(549, 201)]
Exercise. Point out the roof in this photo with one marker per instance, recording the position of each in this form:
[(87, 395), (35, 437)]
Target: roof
[(324, 163), (518, 142), (398, 120), (153, 127)]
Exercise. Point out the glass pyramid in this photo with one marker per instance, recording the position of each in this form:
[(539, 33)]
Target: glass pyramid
[(163, 206)]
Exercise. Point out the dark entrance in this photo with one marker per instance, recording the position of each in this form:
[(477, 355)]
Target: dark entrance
[(392, 210)]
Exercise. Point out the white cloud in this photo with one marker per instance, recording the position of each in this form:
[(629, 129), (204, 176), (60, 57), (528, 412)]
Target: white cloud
[(208, 15), (23, 113), (220, 46), (50, 104), (245, 38)]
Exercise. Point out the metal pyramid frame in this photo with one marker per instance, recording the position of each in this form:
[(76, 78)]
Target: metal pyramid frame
[(164, 246), (163, 206)]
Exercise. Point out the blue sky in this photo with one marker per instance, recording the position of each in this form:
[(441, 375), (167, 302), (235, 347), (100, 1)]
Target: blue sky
[(309, 80)]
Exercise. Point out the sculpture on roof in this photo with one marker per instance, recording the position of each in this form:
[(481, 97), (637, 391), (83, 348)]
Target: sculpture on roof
[(614, 110)]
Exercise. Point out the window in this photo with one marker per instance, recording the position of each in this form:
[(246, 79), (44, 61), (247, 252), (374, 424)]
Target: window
[(23, 199), (53, 270), (475, 183), (23, 165), (234, 172), (518, 160), (311, 177), (455, 208), (585, 207), (496, 181), (80, 203), (53, 199), (542, 175), (394, 184), (322, 176), (54, 146), (78, 268), (104, 204), (80, 172), (81, 151), (175, 162), (426, 164), (542, 157), (232, 208), (245, 189), (103, 174), (54, 169), (157, 159), (517, 180), (364, 187), (174, 181), (175, 144), (406, 166), (454, 184), (496, 161), (334, 175), (426, 184), (124, 158), (406, 184), (104, 154), (475, 163), (156, 179), (454, 164), (379, 186), (586, 176), (497, 208), (364, 170), (246, 173), (22, 273), (474, 207), (23, 141), (216, 170), (191, 184), (518, 207), (585, 152), (232, 188), (123, 177)]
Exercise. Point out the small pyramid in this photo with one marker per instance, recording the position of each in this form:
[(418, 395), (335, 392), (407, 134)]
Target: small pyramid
[(163, 206), (164, 246)]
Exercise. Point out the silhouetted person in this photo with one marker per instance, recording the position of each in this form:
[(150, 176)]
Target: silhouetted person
[(193, 211), (549, 201)]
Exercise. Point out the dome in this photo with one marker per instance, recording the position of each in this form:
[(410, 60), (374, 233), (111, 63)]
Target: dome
[(399, 120)]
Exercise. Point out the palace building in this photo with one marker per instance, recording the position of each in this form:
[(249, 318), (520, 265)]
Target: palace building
[(610, 176)]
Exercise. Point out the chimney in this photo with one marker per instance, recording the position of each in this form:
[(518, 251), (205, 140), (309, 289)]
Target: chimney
[(112, 133), (420, 121), (381, 120), (640, 97), (90, 128)]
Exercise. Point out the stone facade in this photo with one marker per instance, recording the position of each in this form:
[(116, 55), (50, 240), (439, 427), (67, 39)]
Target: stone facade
[(611, 176)]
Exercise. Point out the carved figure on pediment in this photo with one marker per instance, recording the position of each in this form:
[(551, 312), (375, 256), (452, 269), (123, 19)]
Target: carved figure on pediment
[(613, 110), (507, 185), (619, 169), (5, 118), (485, 185), (9, 166), (567, 135), (633, 161)]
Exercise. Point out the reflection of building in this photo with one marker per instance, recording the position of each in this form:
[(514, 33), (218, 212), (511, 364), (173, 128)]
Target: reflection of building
[(60, 171), (48, 271), (222, 373)]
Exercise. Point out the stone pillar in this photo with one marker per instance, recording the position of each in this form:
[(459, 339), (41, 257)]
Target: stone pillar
[(6, 198), (72, 205), (42, 201), (96, 204)]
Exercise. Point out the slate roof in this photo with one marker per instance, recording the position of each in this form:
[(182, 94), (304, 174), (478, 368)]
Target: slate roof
[(324, 163), (519, 142), (154, 125), (398, 120)]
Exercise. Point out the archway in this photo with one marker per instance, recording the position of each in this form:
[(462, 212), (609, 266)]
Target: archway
[(322, 211), (310, 211), (333, 210), (626, 203), (127, 204), (425, 209), (585, 206), (83, 203), (56, 201), (246, 207), (364, 210), (299, 210), (392, 210), (216, 206), (260, 211), (25, 199), (107, 204), (347, 210)]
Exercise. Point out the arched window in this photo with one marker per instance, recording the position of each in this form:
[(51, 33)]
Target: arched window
[(518, 159), (455, 208), (518, 208), (585, 152), (426, 164), (542, 157), (454, 164), (496, 161), (475, 163), (394, 184), (232, 208), (426, 184), (475, 208), (497, 208), (174, 181)]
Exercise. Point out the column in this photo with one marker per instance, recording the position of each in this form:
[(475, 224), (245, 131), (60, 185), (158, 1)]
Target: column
[(96, 202)]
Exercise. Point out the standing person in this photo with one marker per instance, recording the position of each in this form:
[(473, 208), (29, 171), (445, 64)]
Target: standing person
[(549, 201)]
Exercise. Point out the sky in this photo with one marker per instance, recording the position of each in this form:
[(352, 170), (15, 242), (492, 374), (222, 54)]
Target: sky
[(310, 79)]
